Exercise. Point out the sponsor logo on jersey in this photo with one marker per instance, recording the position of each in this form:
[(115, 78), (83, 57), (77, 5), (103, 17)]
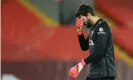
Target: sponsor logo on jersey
[(101, 31)]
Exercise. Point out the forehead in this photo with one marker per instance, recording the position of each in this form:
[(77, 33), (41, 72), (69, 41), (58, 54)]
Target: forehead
[(82, 16)]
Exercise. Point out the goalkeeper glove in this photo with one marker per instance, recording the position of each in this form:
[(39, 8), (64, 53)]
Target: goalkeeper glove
[(74, 71), (79, 24)]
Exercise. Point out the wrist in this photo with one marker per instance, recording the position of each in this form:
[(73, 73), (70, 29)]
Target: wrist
[(80, 67), (83, 62), (79, 31)]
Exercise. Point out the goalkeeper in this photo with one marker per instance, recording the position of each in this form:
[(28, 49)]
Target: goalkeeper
[(100, 44)]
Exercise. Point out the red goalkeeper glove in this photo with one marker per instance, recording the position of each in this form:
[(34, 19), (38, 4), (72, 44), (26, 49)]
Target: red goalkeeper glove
[(79, 24), (74, 71)]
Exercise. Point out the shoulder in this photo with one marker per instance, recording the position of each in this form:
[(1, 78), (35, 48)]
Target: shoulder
[(102, 28)]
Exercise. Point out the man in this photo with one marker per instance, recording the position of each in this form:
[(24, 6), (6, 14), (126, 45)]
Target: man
[(100, 44)]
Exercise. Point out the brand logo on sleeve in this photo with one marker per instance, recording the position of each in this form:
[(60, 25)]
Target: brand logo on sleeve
[(101, 31)]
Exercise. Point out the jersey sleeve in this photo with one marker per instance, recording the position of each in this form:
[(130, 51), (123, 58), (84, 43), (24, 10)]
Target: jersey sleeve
[(83, 42)]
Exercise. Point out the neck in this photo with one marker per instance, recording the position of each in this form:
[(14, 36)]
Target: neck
[(95, 19)]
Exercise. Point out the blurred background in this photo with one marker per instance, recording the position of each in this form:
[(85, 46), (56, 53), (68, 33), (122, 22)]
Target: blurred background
[(39, 39)]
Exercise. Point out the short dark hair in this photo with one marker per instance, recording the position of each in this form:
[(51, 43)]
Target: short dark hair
[(84, 10)]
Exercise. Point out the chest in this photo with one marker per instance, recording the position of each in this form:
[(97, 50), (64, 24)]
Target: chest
[(91, 38)]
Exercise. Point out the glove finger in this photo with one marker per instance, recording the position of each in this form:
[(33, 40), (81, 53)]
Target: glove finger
[(75, 72), (78, 20), (71, 73), (78, 23)]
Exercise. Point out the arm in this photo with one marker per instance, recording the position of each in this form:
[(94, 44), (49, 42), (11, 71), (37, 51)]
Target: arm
[(83, 42), (99, 46)]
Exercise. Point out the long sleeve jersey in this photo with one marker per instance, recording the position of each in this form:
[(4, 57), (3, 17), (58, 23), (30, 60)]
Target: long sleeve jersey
[(100, 44)]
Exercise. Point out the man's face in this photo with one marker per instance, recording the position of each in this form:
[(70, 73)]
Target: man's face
[(86, 20)]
